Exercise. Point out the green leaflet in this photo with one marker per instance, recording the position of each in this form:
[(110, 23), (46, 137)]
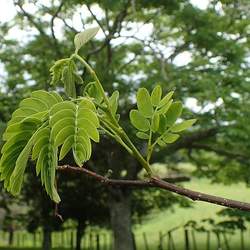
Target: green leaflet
[(144, 103), (142, 135), (65, 71), (155, 122), (68, 79), (66, 146), (17, 175), (170, 138), (173, 113), (47, 163), (156, 95), (16, 152), (24, 133), (35, 106), (84, 36), (164, 108), (139, 121), (113, 101), (92, 91), (87, 103), (56, 70), (183, 125), (166, 99)]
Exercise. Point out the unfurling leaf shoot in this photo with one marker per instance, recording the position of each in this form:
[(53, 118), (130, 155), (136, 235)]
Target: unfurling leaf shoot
[(46, 127)]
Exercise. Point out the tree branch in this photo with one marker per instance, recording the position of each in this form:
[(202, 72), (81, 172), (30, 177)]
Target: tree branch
[(52, 28), (53, 20), (155, 182), (220, 151), (96, 19)]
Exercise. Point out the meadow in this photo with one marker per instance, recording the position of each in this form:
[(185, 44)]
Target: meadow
[(159, 222)]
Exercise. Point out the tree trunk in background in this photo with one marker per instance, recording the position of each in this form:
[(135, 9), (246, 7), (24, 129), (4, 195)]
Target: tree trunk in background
[(120, 213), (11, 236), (46, 238), (79, 234)]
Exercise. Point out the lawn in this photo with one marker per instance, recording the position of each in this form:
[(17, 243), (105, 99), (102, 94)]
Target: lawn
[(162, 221)]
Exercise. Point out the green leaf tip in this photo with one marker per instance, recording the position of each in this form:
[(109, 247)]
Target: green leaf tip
[(84, 36)]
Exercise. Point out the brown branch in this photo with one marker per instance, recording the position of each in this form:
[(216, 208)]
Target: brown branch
[(52, 28), (96, 19), (30, 18), (158, 183), (53, 20)]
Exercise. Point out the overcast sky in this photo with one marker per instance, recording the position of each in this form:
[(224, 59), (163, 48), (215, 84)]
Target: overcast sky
[(8, 11)]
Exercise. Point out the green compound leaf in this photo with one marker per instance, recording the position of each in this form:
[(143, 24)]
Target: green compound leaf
[(156, 95), (183, 125), (17, 175), (70, 78), (12, 151), (47, 161), (139, 121), (173, 113), (21, 135), (142, 135), (144, 103), (73, 125), (91, 90), (56, 70), (170, 138), (84, 36)]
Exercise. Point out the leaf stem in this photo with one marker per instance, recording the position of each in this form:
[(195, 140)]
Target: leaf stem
[(115, 125)]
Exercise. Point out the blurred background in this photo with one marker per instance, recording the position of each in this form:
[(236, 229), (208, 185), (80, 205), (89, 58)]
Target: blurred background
[(200, 49)]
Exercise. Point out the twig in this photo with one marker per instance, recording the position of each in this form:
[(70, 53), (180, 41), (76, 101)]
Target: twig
[(158, 183)]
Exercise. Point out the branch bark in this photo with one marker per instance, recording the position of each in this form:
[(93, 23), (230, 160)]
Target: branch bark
[(155, 182)]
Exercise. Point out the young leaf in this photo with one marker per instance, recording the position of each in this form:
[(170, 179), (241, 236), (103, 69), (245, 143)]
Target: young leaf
[(56, 70), (183, 125), (161, 142), (92, 91), (16, 179), (162, 124), (142, 135), (113, 101), (73, 125), (170, 138), (84, 36), (156, 95), (47, 162), (165, 108), (138, 120), (166, 99), (155, 122), (173, 113), (144, 103), (69, 79)]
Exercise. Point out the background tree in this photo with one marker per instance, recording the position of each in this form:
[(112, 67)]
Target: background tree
[(212, 80)]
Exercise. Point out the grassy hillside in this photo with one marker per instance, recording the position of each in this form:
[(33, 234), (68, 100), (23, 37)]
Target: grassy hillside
[(162, 221)]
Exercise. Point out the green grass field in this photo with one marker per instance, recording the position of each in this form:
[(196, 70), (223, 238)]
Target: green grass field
[(166, 220), (162, 221)]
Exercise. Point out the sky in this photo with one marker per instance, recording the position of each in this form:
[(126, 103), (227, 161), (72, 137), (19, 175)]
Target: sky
[(8, 11)]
